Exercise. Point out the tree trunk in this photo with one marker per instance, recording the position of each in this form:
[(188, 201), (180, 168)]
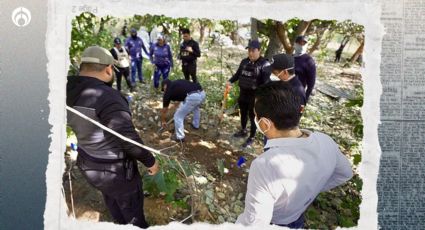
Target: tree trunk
[(235, 37), (274, 46), (302, 27), (254, 29), (283, 37), (317, 42), (201, 33), (358, 52), (209, 32)]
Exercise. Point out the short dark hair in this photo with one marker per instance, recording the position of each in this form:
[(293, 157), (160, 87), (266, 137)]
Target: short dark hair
[(92, 67), (279, 102), (165, 82), (185, 31)]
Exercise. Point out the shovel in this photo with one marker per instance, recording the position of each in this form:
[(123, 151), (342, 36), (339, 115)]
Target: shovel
[(162, 129), (223, 103), (223, 108)]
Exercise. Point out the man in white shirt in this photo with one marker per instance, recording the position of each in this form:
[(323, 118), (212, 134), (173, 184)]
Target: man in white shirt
[(296, 166)]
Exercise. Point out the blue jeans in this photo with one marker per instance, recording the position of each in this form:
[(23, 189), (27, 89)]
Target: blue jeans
[(136, 65), (164, 70), (190, 104)]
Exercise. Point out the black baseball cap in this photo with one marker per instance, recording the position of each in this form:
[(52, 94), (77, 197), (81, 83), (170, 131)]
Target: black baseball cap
[(300, 38), (254, 44), (281, 62), (117, 41)]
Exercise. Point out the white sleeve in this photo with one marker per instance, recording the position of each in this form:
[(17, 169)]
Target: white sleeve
[(259, 201), (342, 172)]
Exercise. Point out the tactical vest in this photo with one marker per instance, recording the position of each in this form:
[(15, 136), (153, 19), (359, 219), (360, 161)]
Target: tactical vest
[(123, 60), (92, 139), (250, 73)]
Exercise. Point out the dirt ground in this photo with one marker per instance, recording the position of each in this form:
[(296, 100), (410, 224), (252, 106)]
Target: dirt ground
[(202, 147), (219, 198)]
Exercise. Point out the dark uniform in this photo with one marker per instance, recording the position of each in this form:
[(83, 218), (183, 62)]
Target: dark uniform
[(107, 162), (189, 59), (250, 75)]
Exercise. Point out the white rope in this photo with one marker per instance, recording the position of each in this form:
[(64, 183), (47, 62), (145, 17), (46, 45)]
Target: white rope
[(115, 133)]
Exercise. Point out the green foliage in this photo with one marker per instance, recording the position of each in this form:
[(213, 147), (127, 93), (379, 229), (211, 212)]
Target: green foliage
[(167, 181), (228, 26), (69, 132), (356, 121), (357, 159), (349, 29), (88, 30)]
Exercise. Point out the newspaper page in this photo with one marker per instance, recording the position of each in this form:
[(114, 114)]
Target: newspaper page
[(401, 202)]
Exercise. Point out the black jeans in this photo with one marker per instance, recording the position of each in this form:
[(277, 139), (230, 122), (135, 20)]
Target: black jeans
[(246, 106), (123, 197), (189, 70), (123, 72), (128, 208)]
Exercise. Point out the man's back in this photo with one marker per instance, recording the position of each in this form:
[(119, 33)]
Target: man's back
[(290, 174), (94, 99)]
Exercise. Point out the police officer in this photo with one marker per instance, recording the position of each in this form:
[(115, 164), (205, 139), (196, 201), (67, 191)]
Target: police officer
[(305, 67), (189, 52), (107, 162), (191, 95), (122, 64), (253, 71)]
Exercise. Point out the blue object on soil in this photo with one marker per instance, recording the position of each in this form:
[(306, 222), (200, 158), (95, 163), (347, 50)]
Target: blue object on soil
[(241, 161)]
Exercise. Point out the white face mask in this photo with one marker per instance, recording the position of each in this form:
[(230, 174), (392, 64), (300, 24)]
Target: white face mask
[(274, 77), (257, 123), (299, 49)]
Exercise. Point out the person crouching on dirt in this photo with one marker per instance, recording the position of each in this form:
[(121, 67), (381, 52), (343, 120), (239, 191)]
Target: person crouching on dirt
[(296, 164), (305, 67), (122, 64), (253, 71), (108, 163), (162, 58), (191, 95)]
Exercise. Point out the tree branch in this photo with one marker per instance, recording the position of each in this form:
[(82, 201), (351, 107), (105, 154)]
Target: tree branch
[(282, 34)]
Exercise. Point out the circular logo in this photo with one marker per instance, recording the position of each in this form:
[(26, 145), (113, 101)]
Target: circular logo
[(21, 16)]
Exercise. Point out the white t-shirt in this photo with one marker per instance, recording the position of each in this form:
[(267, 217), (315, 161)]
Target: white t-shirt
[(285, 179)]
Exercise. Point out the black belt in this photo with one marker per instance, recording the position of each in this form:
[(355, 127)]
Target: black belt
[(86, 156), (196, 91)]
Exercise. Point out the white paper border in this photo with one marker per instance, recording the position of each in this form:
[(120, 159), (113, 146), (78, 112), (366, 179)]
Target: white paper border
[(366, 13)]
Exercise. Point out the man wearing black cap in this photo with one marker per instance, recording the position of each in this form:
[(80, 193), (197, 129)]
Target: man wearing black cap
[(189, 52), (253, 71), (191, 96), (108, 163), (282, 67), (305, 67), (134, 45), (122, 64)]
